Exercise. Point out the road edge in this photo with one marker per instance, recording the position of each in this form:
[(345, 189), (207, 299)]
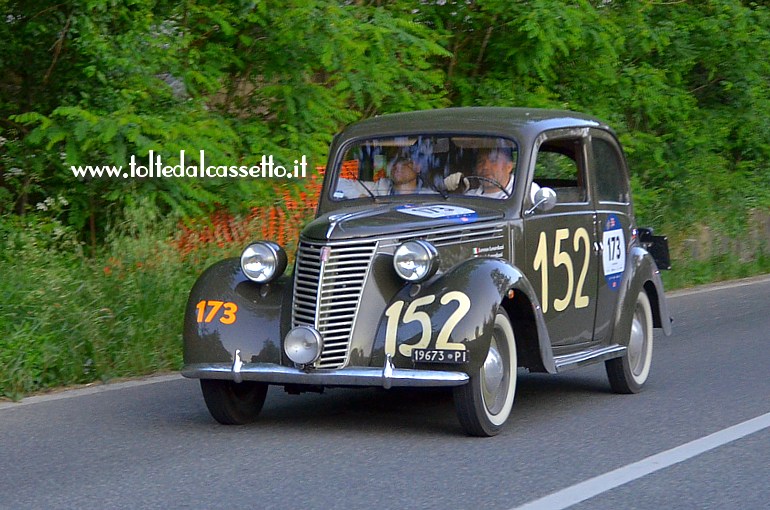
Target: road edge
[(90, 389)]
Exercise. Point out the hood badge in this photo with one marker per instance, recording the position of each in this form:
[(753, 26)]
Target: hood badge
[(435, 211), (325, 252)]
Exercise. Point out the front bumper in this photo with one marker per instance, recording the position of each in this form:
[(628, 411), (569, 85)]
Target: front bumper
[(386, 377)]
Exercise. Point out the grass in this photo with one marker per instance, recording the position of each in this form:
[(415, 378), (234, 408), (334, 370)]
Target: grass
[(66, 318), (690, 273)]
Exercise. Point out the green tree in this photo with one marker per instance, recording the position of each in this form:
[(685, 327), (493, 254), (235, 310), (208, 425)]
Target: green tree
[(97, 81)]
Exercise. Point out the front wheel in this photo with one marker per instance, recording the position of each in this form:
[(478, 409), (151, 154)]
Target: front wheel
[(484, 403), (232, 403), (628, 373)]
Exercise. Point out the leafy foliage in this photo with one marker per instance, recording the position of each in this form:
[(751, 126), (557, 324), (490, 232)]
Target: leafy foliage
[(684, 83), (95, 82)]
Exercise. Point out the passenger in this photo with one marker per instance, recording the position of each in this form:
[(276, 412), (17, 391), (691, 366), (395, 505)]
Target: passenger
[(404, 177)]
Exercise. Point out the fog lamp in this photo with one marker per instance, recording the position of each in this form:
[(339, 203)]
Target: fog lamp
[(303, 345)]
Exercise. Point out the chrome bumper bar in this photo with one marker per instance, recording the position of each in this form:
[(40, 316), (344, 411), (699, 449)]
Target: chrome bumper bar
[(387, 377)]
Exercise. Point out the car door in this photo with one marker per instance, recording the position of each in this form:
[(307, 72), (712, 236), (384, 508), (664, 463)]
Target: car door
[(613, 210), (561, 252)]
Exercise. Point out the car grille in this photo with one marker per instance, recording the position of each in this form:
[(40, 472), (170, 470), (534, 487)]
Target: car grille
[(328, 283)]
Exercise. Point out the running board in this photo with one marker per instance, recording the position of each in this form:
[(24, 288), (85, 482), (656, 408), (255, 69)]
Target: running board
[(588, 357)]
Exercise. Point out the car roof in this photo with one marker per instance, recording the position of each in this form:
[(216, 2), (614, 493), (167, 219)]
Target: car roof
[(519, 122)]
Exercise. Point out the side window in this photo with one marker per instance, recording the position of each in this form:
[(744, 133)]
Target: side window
[(557, 167), (611, 179)]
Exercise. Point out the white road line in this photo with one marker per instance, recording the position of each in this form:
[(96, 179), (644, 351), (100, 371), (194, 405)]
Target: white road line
[(89, 390), (612, 479)]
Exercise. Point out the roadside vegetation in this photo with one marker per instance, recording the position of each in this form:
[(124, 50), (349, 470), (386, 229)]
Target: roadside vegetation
[(94, 273)]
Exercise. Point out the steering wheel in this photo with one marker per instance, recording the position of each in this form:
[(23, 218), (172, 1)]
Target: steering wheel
[(490, 181)]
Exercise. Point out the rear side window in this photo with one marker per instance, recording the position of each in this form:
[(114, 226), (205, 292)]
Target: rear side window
[(612, 183)]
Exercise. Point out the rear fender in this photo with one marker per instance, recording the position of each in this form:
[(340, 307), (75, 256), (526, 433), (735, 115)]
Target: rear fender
[(252, 317), (644, 276), (455, 311)]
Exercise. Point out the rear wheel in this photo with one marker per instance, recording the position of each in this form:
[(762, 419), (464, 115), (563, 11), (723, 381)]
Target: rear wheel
[(628, 373), (232, 403), (484, 403)]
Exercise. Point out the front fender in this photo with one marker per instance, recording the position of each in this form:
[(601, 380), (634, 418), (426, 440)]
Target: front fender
[(459, 305), (252, 318)]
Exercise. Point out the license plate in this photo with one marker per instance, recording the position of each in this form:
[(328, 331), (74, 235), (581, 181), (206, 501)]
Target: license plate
[(439, 356)]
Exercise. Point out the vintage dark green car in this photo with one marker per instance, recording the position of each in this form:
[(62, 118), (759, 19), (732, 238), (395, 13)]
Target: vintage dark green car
[(451, 248)]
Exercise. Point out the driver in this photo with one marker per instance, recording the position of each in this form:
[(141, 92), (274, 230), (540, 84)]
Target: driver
[(493, 166)]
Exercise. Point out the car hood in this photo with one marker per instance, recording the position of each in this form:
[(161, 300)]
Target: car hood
[(388, 219)]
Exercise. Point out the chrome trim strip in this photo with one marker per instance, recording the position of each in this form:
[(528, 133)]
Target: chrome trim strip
[(452, 238), (577, 359), (353, 323), (323, 258), (363, 376), (433, 235), (336, 219)]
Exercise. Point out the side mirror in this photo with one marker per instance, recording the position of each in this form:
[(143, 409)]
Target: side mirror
[(545, 199)]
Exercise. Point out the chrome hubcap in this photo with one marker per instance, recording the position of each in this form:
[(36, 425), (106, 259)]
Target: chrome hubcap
[(636, 344), (494, 379), (493, 370)]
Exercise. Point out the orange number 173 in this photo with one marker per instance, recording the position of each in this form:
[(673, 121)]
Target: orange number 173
[(228, 311)]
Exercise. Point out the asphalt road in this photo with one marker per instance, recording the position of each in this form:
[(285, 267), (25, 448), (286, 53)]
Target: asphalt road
[(152, 444)]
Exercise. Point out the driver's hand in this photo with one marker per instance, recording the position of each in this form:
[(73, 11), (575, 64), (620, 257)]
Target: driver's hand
[(452, 182)]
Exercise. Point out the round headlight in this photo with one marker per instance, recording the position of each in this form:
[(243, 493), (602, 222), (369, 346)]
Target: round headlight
[(263, 261), (416, 261), (303, 345)]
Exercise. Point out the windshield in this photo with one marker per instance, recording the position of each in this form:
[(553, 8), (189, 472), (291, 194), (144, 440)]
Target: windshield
[(427, 164)]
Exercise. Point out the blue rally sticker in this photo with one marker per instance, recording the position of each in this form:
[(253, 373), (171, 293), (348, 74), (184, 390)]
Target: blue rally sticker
[(614, 252), (449, 212)]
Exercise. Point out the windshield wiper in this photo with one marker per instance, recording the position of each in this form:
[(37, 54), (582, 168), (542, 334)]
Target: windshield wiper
[(359, 181)]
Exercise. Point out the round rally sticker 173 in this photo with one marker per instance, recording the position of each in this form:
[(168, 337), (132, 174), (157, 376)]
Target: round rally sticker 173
[(614, 252)]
